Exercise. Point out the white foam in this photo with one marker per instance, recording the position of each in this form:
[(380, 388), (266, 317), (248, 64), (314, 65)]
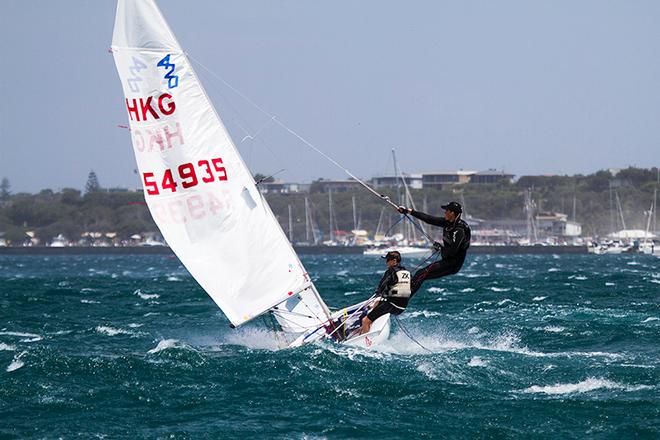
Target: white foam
[(352, 292), (506, 343), (476, 361), (173, 278), (30, 337), (610, 284), (652, 318), (133, 325), (473, 330), (435, 289), (467, 290), (342, 273), (499, 289), (552, 329), (253, 338), (427, 369), (539, 298), (89, 301), (6, 347), (139, 293), (354, 353), (111, 331), (585, 386), (164, 345), (553, 269), (577, 277)]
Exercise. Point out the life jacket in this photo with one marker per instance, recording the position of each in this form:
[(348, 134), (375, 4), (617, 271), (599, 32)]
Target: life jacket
[(401, 289)]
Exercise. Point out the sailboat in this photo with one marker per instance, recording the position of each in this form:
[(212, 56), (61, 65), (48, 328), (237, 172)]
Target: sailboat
[(204, 199)]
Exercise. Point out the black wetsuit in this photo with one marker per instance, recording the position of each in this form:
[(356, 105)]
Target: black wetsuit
[(388, 305), (455, 243)]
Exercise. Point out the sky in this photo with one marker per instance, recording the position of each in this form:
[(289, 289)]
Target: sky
[(532, 87)]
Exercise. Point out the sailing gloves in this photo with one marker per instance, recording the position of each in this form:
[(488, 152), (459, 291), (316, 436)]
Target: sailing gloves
[(437, 246), (404, 210)]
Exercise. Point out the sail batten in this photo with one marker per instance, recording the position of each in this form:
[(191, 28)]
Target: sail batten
[(196, 185)]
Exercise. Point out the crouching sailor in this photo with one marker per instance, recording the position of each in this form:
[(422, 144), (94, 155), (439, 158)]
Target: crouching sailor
[(393, 291)]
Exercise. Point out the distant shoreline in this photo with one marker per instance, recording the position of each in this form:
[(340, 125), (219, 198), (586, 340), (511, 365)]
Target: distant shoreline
[(162, 250)]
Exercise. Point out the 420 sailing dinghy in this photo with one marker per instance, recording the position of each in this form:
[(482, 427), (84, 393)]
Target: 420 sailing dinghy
[(202, 196)]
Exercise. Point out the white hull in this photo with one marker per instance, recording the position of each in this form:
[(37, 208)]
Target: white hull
[(405, 251), (611, 250), (379, 332)]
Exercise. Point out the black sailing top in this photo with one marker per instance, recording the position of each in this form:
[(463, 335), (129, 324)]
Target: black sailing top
[(455, 235)]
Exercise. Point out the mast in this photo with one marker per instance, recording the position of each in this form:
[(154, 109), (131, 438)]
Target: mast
[(332, 234), (380, 220), (648, 222), (396, 174), (307, 222), (408, 201), (290, 226), (355, 221), (612, 218), (465, 214), (655, 210), (620, 209), (530, 211), (398, 193)]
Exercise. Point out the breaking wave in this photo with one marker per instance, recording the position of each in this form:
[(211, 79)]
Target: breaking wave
[(165, 344), (29, 337), (587, 385), (111, 331)]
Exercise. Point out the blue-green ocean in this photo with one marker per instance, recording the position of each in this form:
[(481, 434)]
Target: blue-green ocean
[(521, 346)]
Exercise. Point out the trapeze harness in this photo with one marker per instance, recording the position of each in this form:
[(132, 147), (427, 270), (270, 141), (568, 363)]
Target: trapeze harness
[(400, 289)]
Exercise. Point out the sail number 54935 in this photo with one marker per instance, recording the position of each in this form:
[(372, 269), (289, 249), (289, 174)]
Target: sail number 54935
[(187, 173)]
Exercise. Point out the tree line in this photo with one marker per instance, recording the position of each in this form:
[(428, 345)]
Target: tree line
[(71, 211)]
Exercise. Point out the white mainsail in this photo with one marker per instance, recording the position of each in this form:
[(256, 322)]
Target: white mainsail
[(197, 187)]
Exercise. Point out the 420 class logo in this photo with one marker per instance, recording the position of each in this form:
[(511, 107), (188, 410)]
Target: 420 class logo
[(172, 79)]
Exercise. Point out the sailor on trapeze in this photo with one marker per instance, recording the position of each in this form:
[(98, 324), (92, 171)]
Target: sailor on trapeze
[(455, 243)]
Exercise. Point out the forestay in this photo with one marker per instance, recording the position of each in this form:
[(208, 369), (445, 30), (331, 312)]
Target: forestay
[(200, 193)]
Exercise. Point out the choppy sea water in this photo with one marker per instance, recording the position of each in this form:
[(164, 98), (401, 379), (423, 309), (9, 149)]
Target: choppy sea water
[(561, 346)]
